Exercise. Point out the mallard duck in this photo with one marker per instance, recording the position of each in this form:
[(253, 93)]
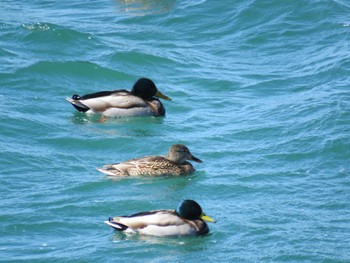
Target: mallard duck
[(187, 220), (174, 163), (142, 100)]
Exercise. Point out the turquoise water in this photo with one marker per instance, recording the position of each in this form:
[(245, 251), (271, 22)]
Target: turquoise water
[(260, 93)]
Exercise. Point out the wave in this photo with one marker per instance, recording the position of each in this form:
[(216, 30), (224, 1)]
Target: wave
[(62, 69)]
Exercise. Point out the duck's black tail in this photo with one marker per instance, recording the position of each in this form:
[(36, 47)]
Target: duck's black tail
[(115, 225), (75, 101)]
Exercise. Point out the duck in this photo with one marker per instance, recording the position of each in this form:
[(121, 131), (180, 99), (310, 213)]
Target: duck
[(174, 164), (142, 100), (187, 220)]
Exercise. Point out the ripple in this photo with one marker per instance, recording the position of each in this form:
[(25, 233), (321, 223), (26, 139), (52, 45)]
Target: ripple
[(260, 93)]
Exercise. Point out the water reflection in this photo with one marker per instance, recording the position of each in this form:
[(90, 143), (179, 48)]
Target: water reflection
[(83, 118), (173, 183), (145, 7), (191, 243), (119, 127), (161, 187)]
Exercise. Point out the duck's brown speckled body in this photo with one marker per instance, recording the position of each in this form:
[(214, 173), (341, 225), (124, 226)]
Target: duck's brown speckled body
[(174, 163)]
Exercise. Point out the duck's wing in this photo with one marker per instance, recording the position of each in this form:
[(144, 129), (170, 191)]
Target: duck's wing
[(101, 101), (149, 165), (117, 169), (155, 223)]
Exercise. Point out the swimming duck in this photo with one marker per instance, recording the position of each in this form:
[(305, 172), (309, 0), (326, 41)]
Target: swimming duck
[(142, 100), (174, 163), (187, 220)]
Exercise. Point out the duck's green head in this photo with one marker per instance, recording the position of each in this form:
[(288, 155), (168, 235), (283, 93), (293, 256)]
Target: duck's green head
[(146, 89), (191, 210)]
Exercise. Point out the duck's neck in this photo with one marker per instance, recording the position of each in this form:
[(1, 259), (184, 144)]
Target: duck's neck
[(174, 157)]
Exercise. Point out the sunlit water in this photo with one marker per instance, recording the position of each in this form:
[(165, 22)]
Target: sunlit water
[(260, 93)]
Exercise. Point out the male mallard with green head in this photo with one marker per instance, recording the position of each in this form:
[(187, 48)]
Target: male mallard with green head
[(142, 100), (174, 163), (187, 220)]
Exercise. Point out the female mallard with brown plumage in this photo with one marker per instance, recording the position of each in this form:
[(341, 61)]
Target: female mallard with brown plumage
[(174, 163), (187, 220), (142, 100)]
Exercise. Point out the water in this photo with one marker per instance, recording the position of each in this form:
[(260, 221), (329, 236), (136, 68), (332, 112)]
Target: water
[(260, 93)]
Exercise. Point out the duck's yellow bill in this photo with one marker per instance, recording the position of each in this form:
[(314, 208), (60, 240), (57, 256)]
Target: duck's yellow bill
[(161, 95), (207, 218)]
